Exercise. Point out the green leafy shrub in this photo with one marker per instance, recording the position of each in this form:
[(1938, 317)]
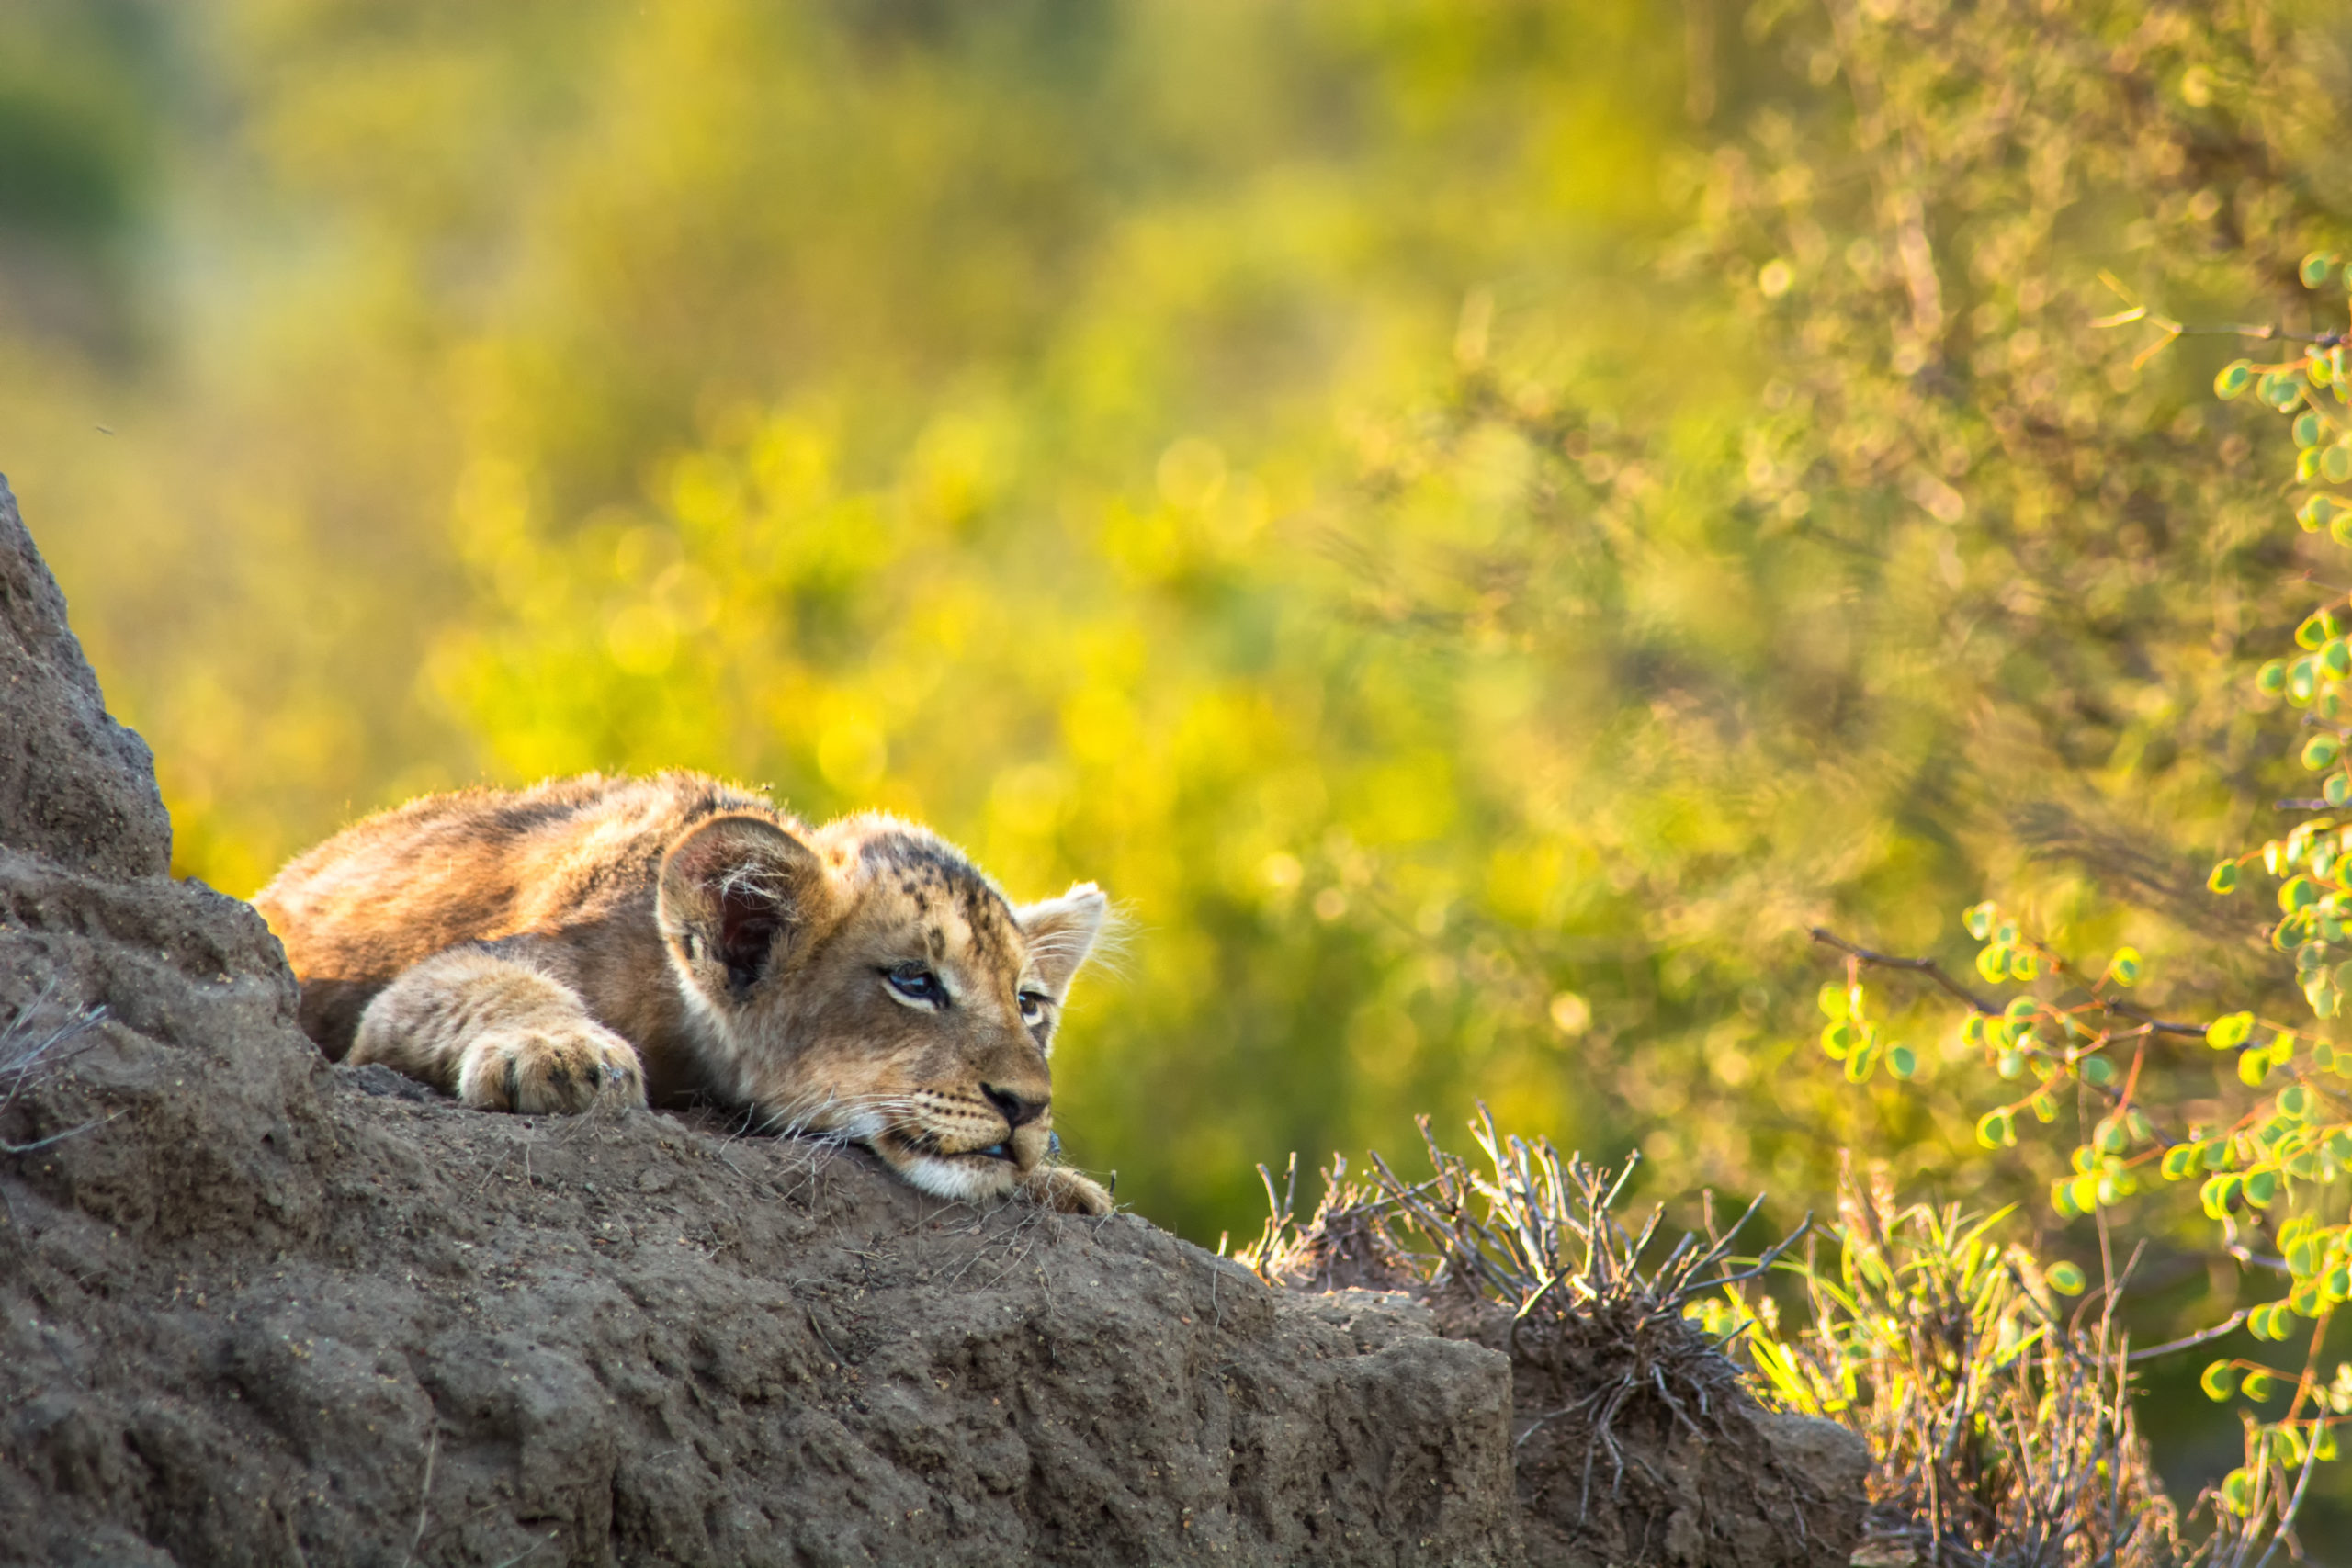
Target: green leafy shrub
[(2267, 1146)]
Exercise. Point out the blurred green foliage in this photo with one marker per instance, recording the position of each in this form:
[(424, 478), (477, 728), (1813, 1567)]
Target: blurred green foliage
[(1481, 525)]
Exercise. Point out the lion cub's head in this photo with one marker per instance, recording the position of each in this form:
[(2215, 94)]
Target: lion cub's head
[(867, 980)]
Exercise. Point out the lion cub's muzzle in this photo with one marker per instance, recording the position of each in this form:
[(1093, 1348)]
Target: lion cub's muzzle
[(968, 1145)]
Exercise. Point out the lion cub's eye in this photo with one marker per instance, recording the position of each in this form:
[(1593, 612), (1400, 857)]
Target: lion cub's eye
[(1033, 1005), (916, 984)]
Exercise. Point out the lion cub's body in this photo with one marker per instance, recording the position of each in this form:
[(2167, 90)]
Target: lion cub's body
[(675, 938)]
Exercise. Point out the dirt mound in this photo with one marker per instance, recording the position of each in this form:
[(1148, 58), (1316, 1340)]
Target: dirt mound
[(634, 1339), (254, 1309)]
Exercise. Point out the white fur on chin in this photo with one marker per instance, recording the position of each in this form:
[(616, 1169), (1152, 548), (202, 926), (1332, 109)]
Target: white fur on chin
[(968, 1180)]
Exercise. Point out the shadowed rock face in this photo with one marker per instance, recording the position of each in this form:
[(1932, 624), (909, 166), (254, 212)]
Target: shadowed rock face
[(75, 787), (254, 1309)]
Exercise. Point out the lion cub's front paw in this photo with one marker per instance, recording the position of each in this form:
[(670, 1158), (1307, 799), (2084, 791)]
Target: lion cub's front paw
[(553, 1068), (1064, 1191)]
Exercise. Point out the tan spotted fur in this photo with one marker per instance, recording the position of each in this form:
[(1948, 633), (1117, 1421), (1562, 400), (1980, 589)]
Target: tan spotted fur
[(674, 940)]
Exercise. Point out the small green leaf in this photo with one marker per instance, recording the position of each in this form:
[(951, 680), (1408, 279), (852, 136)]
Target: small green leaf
[(2335, 658), (2261, 1187), (2097, 1070), (1833, 1001), (2234, 378), (1993, 962), (2300, 893), (1863, 1059), (2316, 267), (2257, 1385), (1902, 1061), (1839, 1039), (2223, 880), (2067, 1280), (2220, 1380), (2024, 963), (1996, 1130), (1978, 919), (2062, 1199), (2271, 678), (2124, 967), (2253, 1068), (2307, 428), (2337, 789), (2229, 1031), (2214, 1196), (2302, 681), (2320, 752), (2335, 463)]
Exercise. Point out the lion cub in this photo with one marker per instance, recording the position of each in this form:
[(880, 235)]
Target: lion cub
[(627, 940)]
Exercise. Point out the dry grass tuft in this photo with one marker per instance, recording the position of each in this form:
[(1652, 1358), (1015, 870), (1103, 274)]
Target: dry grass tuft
[(1999, 1419), (32, 1050), (1528, 1251)]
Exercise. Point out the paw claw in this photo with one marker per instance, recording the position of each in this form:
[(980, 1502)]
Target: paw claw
[(551, 1070)]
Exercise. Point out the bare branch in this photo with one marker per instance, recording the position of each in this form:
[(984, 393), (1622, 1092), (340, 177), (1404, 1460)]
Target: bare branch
[(1927, 967), (2228, 1325)]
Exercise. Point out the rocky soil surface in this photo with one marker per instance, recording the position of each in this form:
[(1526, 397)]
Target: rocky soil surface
[(257, 1309)]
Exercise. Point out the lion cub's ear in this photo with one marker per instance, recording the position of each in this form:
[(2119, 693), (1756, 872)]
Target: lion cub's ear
[(1061, 933), (734, 891)]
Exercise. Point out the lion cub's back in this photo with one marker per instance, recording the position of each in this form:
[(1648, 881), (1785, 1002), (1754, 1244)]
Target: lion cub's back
[(470, 866)]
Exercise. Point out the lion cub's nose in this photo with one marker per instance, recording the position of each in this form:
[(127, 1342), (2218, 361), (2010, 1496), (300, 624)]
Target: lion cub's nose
[(1017, 1109)]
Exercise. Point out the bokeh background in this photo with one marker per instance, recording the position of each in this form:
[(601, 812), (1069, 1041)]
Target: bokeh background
[(1479, 524)]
